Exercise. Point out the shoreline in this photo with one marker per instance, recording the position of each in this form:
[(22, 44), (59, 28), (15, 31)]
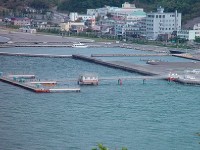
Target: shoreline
[(20, 39)]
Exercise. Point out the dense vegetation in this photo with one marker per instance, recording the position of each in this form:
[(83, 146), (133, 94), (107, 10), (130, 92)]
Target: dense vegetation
[(19, 4), (189, 8)]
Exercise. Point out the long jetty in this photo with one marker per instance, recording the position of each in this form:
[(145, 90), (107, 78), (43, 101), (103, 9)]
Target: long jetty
[(118, 64), (187, 56), (128, 55), (34, 55)]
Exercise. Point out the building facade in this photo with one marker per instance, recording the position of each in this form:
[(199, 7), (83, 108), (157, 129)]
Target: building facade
[(73, 16), (196, 26), (162, 23), (188, 34), (21, 21), (68, 25)]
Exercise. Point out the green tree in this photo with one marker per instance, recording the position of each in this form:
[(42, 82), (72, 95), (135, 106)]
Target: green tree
[(197, 39)]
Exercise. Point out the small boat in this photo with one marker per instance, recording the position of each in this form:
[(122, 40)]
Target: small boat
[(79, 45)]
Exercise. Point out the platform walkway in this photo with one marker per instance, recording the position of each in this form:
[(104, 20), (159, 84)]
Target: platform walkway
[(32, 88)]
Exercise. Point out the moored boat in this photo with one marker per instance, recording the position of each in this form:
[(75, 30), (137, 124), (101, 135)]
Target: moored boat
[(79, 45)]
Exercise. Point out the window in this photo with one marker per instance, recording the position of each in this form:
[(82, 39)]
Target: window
[(163, 16)]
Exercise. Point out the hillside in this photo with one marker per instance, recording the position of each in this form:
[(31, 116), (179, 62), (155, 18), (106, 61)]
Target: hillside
[(18, 4), (188, 8)]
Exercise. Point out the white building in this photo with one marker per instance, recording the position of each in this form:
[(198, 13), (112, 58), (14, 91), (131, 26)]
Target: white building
[(92, 12), (67, 26), (27, 30), (86, 17), (133, 29), (126, 10), (104, 11), (188, 34), (162, 23), (136, 16), (73, 16), (196, 26)]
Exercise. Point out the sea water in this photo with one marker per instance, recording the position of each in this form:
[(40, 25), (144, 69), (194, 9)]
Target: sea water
[(155, 115)]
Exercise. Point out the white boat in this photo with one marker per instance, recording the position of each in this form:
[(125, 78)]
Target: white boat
[(79, 45)]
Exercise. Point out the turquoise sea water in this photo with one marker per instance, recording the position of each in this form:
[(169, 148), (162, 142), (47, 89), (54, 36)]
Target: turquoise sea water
[(156, 115)]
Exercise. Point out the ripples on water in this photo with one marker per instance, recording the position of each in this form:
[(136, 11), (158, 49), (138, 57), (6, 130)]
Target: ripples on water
[(155, 115)]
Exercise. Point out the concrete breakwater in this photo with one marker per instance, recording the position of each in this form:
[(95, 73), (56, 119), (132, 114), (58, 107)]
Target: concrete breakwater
[(128, 55), (118, 64), (188, 56), (161, 69)]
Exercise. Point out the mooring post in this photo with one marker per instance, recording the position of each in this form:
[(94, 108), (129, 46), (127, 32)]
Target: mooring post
[(120, 82), (144, 81)]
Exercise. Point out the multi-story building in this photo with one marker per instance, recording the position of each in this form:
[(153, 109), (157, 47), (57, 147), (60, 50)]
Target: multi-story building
[(21, 21), (196, 26), (162, 23), (92, 12), (73, 16), (129, 29), (188, 34), (126, 10), (86, 17), (68, 25)]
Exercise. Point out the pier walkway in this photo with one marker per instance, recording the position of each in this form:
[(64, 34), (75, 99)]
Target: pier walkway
[(31, 87), (119, 65)]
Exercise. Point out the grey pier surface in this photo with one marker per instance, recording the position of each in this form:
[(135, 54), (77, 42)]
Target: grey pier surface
[(128, 55), (161, 69)]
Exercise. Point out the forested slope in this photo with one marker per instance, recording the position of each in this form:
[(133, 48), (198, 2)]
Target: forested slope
[(189, 8)]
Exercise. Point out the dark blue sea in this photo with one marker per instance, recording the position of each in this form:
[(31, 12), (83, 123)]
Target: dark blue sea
[(156, 115)]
